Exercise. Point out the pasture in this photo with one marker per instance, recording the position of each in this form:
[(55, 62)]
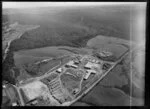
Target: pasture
[(33, 55), (100, 43), (45, 52), (103, 96)]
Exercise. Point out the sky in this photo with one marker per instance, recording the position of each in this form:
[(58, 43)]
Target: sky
[(46, 4)]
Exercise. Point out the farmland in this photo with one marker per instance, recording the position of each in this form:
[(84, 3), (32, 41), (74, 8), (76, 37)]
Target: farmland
[(109, 44), (102, 96), (54, 30), (41, 68), (66, 32)]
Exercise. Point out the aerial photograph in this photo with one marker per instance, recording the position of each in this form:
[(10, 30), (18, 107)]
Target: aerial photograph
[(73, 53)]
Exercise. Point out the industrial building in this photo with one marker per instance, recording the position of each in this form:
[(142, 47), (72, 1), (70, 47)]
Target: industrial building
[(88, 73), (90, 65), (71, 64), (59, 70)]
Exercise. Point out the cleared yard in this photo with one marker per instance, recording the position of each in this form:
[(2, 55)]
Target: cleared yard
[(35, 89), (70, 82)]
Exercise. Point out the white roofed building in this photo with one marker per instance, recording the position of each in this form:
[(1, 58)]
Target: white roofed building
[(14, 104), (88, 73), (90, 65), (74, 66), (59, 70), (71, 63)]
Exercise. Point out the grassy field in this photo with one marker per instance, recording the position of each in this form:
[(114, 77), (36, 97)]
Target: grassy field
[(34, 55), (115, 78), (101, 43), (21, 59), (104, 39), (51, 64), (27, 62), (22, 76), (45, 52), (41, 68), (102, 96)]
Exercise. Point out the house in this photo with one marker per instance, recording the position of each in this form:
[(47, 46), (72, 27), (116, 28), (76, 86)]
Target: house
[(59, 70), (93, 60), (14, 104), (87, 75), (76, 61), (74, 66), (71, 64), (88, 65), (35, 102)]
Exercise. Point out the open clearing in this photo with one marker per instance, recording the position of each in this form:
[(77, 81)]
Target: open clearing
[(21, 59), (70, 81), (100, 39), (109, 44), (45, 52), (33, 55), (109, 97)]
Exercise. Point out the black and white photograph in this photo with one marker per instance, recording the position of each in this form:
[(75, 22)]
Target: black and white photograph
[(73, 53)]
